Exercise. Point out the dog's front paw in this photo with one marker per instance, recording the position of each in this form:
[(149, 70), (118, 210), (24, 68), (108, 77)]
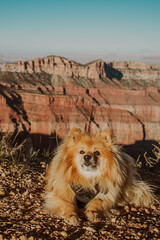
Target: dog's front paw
[(72, 220), (92, 216)]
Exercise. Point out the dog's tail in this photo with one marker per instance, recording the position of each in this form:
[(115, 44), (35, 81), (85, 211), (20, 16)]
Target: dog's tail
[(140, 193)]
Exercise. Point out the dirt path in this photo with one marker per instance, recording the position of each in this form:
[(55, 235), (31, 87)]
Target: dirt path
[(22, 215)]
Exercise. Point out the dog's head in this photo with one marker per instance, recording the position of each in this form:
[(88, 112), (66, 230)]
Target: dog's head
[(90, 155)]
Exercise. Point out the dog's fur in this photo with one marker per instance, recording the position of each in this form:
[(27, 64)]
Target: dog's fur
[(108, 167)]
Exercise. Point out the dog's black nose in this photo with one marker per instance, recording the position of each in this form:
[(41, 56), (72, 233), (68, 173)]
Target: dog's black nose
[(87, 159)]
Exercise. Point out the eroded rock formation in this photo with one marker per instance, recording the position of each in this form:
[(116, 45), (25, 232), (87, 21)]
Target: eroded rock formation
[(59, 66), (51, 95)]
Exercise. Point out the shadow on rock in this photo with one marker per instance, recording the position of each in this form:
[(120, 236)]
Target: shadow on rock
[(112, 72)]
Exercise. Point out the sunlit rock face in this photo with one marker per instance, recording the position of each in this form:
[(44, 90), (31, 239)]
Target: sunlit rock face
[(51, 95)]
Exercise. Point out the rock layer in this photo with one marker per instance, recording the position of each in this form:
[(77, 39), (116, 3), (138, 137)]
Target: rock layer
[(51, 95), (58, 66)]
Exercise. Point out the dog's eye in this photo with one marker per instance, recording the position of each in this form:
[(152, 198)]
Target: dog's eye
[(97, 153), (82, 152)]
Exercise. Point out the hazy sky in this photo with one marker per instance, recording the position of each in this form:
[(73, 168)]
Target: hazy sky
[(94, 26)]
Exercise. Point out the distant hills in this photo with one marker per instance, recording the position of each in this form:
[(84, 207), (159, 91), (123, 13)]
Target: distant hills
[(84, 57)]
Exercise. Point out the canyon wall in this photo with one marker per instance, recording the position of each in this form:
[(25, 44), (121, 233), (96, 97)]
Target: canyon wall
[(47, 97), (58, 66)]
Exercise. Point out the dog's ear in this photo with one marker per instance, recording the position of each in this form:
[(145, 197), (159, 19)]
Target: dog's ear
[(75, 133), (105, 134)]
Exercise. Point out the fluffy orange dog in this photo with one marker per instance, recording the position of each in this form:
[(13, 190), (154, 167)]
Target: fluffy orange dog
[(94, 172)]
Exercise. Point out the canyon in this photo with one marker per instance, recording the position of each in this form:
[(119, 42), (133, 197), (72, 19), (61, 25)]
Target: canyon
[(46, 97)]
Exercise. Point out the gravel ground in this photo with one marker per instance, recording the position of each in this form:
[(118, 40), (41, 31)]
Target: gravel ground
[(22, 215)]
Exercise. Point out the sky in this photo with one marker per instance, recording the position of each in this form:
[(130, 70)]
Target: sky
[(127, 27)]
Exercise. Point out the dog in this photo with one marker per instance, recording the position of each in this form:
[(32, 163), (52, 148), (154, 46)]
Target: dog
[(92, 172)]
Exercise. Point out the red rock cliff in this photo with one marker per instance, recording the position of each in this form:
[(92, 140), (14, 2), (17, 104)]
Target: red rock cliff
[(53, 94)]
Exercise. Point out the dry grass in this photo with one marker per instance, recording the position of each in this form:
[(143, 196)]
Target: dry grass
[(8, 148), (15, 153), (150, 161)]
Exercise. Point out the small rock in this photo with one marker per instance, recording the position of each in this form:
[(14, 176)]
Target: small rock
[(42, 163), (113, 220), (103, 232), (28, 203), (38, 227), (145, 225), (126, 208), (25, 193), (21, 207), (13, 238), (64, 234), (53, 234), (133, 209), (127, 237), (147, 211), (139, 234), (31, 238), (18, 212), (23, 237), (34, 222), (12, 193), (2, 193), (119, 227), (30, 195), (3, 174), (90, 229), (156, 230)]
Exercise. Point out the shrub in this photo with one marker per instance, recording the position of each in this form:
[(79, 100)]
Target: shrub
[(151, 161)]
